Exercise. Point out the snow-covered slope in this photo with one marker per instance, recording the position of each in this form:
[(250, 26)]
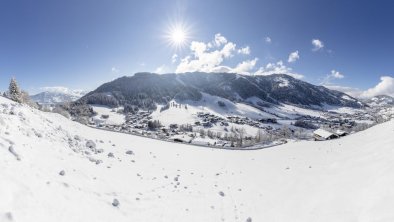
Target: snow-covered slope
[(106, 115), (349, 179), (146, 89), (207, 104), (381, 100)]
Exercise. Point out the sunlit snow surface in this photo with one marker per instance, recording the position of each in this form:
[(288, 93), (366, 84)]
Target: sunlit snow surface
[(349, 179), (113, 118)]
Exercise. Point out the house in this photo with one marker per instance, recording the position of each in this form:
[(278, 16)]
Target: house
[(341, 133), (182, 138), (321, 134)]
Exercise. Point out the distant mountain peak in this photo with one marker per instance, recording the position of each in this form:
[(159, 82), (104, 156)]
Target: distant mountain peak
[(53, 95), (380, 100)]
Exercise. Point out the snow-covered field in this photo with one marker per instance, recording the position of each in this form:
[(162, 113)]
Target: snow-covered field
[(208, 104), (47, 173), (113, 118)]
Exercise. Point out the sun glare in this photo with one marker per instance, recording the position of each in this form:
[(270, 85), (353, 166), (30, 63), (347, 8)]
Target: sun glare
[(177, 35)]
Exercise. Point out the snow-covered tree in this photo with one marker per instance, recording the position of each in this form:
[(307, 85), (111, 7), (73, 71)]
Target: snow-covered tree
[(25, 98), (14, 91)]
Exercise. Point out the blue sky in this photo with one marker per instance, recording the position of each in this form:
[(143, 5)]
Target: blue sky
[(82, 44)]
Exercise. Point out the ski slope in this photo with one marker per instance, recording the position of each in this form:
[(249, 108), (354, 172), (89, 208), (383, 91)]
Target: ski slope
[(208, 104), (349, 179)]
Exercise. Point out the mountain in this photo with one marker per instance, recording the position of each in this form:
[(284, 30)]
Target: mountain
[(54, 169), (58, 95), (145, 90), (381, 100)]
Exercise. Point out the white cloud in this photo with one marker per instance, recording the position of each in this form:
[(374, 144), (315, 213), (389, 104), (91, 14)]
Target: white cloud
[(354, 92), (245, 67), (294, 56), (245, 50), (211, 56), (317, 44), (333, 75), (63, 90), (207, 57), (228, 50), (174, 58), (161, 69), (277, 68), (337, 75), (267, 39), (198, 48), (220, 40), (384, 87), (115, 70)]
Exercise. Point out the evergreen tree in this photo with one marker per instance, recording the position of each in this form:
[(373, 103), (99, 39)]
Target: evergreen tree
[(14, 92)]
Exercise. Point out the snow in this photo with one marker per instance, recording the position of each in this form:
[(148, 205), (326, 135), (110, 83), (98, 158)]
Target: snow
[(300, 111), (323, 133), (381, 101), (114, 118), (59, 94), (364, 121), (342, 109), (208, 104), (203, 141), (292, 112), (348, 98), (175, 115), (282, 82), (347, 179), (287, 111)]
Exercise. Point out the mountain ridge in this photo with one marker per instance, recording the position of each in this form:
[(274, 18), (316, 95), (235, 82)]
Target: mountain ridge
[(56, 96), (380, 100), (145, 90)]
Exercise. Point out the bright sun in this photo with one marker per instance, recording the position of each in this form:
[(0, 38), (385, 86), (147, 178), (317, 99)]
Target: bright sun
[(177, 35)]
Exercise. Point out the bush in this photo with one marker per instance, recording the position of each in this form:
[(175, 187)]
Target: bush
[(82, 119), (186, 128), (153, 125), (61, 111), (221, 104), (128, 108), (78, 109), (25, 98), (167, 106)]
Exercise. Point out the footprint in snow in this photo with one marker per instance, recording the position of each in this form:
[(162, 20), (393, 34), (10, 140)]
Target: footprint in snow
[(115, 202), (8, 217)]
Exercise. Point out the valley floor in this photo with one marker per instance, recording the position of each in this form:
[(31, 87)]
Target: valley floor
[(51, 171)]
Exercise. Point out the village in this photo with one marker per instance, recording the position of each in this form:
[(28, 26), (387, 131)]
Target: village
[(230, 131)]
